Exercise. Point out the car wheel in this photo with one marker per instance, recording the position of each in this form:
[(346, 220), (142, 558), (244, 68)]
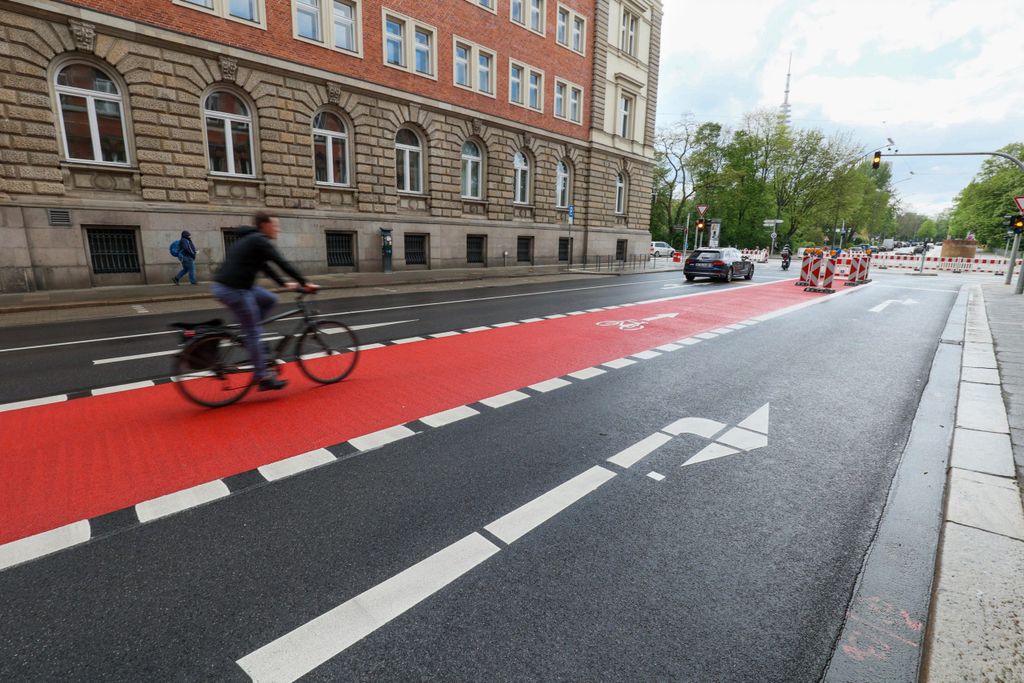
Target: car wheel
[(750, 273), (689, 278), (728, 275)]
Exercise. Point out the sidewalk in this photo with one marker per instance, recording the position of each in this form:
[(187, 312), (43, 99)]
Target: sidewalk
[(976, 631)]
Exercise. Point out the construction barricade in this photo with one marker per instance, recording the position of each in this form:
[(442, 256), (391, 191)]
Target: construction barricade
[(823, 272), (756, 255)]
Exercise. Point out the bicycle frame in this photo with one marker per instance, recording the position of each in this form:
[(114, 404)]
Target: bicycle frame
[(300, 325)]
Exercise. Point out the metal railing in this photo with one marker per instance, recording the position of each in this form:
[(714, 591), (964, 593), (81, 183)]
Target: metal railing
[(609, 264)]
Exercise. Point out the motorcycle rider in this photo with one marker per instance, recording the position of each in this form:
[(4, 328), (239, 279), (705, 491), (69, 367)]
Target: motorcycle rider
[(786, 256)]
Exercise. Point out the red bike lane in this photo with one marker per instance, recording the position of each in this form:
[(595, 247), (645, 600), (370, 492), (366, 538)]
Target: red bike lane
[(64, 462)]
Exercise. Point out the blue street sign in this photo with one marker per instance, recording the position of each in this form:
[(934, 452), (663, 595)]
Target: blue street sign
[(572, 210)]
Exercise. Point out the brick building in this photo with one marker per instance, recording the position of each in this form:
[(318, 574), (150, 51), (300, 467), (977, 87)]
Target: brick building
[(466, 127)]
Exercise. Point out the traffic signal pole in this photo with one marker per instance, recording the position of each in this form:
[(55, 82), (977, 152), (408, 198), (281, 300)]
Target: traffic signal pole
[(1013, 259)]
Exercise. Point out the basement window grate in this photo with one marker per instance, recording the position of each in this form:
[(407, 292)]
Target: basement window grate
[(58, 216)]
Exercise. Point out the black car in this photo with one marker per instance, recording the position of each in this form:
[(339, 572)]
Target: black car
[(718, 264)]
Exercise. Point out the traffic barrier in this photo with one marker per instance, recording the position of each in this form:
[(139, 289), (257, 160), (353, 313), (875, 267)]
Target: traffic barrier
[(677, 257), (994, 266), (860, 265), (806, 265), (822, 275), (756, 255)]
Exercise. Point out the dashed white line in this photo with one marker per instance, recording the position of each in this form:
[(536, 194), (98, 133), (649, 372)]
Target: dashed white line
[(646, 355), (531, 320), (408, 340), (722, 330), (736, 326), (446, 417), (381, 437), (555, 316), (368, 347), (576, 313), (31, 547), (587, 373), (619, 363), (122, 387), (156, 508), (628, 457), (504, 399), (481, 328), (295, 464), (689, 341), (705, 335), (668, 347), (655, 476), (508, 324), (138, 356), (442, 335), (550, 385), (31, 403)]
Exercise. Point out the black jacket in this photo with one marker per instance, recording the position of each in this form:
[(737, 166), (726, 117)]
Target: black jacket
[(251, 253)]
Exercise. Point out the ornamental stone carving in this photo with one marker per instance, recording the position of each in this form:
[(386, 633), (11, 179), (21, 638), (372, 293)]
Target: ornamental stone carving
[(333, 93), (84, 35), (228, 68)]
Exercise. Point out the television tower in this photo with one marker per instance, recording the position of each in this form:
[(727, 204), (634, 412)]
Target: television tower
[(785, 115)]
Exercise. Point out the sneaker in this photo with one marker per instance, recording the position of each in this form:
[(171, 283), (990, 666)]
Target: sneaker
[(175, 281), (272, 384)]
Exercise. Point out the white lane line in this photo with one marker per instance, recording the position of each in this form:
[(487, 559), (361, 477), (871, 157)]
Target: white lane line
[(508, 324), (689, 341), (646, 355), (705, 335), (31, 403), (751, 322), (504, 399), (655, 476), (441, 335), (736, 326), (722, 330), (446, 417), (531, 320), (381, 437), (31, 547), (550, 385), (295, 654), (156, 508), (140, 309), (593, 310), (619, 363), (368, 347), (628, 457), (698, 426), (587, 373), (408, 340), (295, 464), (477, 329), (668, 347), (524, 519), (576, 313), (555, 316), (122, 387), (138, 356)]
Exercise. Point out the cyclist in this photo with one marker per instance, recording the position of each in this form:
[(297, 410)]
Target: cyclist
[(234, 285)]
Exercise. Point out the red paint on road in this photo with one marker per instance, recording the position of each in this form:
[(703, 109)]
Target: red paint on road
[(69, 461)]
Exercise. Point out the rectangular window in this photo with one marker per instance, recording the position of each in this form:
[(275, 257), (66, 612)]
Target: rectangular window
[(230, 236), (462, 53), (208, 4), (576, 105), (489, 4), (244, 11), (409, 44), (484, 72), (524, 250), (515, 84), (562, 32), (473, 66), (395, 49), (517, 12), (620, 250), (475, 248), (424, 52), (332, 23), (578, 29), (345, 26), (625, 128), (560, 92), (537, 15), (536, 88), (415, 250), (308, 19), (340, 251), (627, 40), (113, 251), (563, 248)]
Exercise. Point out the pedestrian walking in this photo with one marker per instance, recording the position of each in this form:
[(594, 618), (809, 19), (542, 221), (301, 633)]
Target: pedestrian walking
[(186, 253)]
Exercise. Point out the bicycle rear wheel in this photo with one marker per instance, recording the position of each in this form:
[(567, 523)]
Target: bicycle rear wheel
[(214, 370), (328, 351)]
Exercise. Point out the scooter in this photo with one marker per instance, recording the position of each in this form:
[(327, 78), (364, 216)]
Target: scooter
[(785, 261)]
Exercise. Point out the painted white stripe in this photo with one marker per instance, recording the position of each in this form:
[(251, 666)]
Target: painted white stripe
[(522, 520), (295, 464), (668, 347), (655, 476), (619, 363), (630, 456), (408, 340), (705, 335), (531, 320), (555, 316), (689, 341), (743, 439), (138, 356), (381, 437), (697, 426), (587, 373), (477, 329), (181, 500), (722, 330), (31, 403), (575, 312), (441, 335), (646, 355), (504, 399), (446, 417), (710, 452), (550, 385), (594, 310), (508, 324), (25, 549), (295, 654), (751, 322), (736, 326), (122, 387), (367, 347)]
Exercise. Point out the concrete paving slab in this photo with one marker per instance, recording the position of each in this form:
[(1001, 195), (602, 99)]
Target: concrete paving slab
[(977, 628), (979, 355), (985, 502), (981, 407), (986, 452), (981, 375)]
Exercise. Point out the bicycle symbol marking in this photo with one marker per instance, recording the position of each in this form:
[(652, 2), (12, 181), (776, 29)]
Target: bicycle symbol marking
[(627, 325)]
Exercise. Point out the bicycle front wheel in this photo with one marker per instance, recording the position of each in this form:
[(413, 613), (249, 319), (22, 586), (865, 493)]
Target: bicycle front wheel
[(214, 370), (328, 351)]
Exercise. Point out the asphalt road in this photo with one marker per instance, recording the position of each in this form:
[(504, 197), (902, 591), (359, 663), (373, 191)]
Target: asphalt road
[(738, 568)]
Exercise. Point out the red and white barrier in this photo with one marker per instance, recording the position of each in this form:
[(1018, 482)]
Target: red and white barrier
[(756, 255), (805, 269), (942, 263), (822, 273)]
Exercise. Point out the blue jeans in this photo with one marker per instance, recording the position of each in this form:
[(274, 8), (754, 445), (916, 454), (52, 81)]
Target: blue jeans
[(188, 267), (251, 307)]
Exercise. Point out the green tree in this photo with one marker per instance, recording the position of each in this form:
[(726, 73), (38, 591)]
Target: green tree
[(980, 207), (927, 230)]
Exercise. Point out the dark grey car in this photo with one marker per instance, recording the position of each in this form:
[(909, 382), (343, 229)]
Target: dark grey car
[(726, 264)]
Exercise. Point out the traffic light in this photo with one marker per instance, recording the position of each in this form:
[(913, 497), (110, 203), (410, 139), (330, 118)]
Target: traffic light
[(1017, 223), (700, 223), (877, 161)]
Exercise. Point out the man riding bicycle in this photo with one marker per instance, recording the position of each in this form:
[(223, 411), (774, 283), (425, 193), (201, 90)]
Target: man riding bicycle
[(234, 285)]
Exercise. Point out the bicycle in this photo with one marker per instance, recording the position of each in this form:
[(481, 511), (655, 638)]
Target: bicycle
[(213, 369)]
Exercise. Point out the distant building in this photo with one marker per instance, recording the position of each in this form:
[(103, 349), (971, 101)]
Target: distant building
[(468, 127)]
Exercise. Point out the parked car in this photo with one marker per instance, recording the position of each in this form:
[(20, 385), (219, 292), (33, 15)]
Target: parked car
[(724, 264), (904, 251), (662, 249)]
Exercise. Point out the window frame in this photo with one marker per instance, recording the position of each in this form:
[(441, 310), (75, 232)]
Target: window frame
[(475, 51), (570, 25), (479, 162), (629, 32), (570, 89), (90, 97), (519, 185), (488, 5), (328, 25), (410, 27), (228, 138), (625, 117), (407, 166), (621, 185), (563, 184), (330, 135), (221, 9), (528, 70), (527, 10)]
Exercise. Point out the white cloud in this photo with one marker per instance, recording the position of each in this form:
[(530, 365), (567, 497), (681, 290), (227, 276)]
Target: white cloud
[(721, 31)]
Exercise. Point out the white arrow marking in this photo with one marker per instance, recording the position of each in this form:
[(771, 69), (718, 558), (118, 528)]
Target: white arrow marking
[(882, 306), (751, 434), (663, 315), (710, 452), (744, 440), (758, 421)]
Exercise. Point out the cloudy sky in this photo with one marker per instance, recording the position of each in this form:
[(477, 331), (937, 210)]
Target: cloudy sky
[(933, 75)]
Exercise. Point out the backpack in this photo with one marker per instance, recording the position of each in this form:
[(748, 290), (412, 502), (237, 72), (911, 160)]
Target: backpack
[(176, 248)]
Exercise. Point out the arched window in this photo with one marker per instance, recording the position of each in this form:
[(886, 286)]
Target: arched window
[(91, 115), (522, 179), (330, 149), (620, 193), (408, 162), (562, 185), (472, 165), (228, 134)]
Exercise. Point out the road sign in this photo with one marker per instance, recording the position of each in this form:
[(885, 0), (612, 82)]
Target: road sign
[(1019, 200), (702, 209), (715, 230), (572, 213), (774, 235)]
